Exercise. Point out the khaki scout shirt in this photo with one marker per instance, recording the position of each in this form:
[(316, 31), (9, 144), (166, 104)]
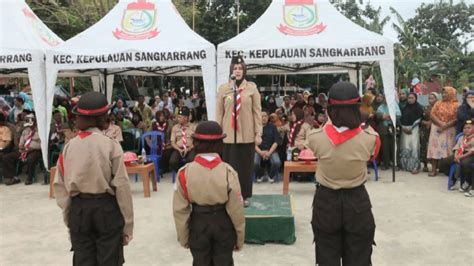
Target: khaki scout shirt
[(35, 142), (5, 137), (176, 134), (469, 146), (344, 165), (301, 140), (93, 164), (114, 132), (249, 123), (208, 186)]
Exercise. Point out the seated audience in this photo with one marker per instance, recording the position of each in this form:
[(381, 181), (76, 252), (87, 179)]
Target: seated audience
[(267, 150), (112, 131), (29, 151), (181, 141)]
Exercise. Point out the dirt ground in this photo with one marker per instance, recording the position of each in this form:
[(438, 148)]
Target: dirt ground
[(419, 222)]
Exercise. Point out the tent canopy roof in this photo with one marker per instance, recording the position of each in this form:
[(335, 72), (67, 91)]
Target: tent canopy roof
[(134, 34), (306, 31), (22, 34)]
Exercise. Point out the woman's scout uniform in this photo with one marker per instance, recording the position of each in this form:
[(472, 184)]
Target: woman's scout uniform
[(239, 148), (343, 224), (92, 188), (207, 204)]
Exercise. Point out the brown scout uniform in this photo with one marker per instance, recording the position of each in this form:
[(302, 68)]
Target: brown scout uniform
[(343, 166), (249, 123), (203, 185), (176, 142), (82, 174), (302, 137), (5, 137), (114, 132), (240, 155)]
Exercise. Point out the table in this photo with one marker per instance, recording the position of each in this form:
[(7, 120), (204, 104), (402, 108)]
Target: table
[(300, 167), (143, 169)]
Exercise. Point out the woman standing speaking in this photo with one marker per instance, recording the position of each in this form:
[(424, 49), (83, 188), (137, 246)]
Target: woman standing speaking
[(238, 111)]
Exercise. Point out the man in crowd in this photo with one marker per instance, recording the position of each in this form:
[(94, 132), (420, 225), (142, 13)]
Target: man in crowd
[(112, 130), (266, 151), (181, 140), (144, 110), (13, 116), (29, 151)]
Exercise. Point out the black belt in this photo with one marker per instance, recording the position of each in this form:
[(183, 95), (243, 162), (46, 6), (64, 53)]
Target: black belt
[(319, 186), (208, 208), (94, 196)]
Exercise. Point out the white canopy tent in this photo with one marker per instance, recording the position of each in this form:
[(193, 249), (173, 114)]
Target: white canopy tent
[(137, 37), (298, 36), (24, 40)]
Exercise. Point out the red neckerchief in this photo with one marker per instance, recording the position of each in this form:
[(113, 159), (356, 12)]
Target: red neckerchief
[(339, 138), (292, 132), (161, 128), (464, 144), (27, 144), (84, 134), (208, 164)]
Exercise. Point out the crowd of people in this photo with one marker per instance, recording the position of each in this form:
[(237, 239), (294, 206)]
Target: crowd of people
[(425, 135)]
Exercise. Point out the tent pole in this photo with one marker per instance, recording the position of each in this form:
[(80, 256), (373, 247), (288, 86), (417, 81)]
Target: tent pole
[(105, 82), (394, 162), (358, 78), (71, 87)]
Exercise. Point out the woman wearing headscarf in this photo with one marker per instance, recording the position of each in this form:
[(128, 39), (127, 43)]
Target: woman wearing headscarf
[(386, 131), (443, 128), (28, 105), (271, 104), (238, 111), (402, 98), (367, 111), (465, 111), (323, 100), (425, 128), (412, 115)]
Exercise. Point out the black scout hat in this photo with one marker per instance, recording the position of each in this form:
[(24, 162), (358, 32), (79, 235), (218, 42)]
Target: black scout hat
[(184, 111), (208, 131), (238, 59), (343, 93), (91, 104)]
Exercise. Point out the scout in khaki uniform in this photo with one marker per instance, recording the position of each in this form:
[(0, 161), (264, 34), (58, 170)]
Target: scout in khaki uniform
[(207, 204), (181, 140), (92, 188), (241, 123), (343, 224)]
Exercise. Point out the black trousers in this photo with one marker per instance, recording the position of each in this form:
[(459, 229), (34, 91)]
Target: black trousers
[(466, 168), (175, 159), (387, 149), (10, 160), (343, 226), (96, 228), (241, 157), (212, 238)]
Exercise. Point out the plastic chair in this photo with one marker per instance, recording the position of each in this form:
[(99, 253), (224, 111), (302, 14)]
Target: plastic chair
[(454, 166), (155, 153)]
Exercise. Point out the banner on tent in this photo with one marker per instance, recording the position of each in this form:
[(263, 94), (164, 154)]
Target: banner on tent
[(130, 57), (308, 52), (16, 58)]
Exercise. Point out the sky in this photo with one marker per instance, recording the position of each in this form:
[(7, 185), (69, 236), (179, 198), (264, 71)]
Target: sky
[(406, 8)]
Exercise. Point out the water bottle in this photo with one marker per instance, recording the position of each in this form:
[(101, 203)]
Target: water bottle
[(144, 155), (288, 154)]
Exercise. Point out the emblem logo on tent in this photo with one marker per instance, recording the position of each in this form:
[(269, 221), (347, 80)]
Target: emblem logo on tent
[(38, 26), (300, 18), (138, 22)]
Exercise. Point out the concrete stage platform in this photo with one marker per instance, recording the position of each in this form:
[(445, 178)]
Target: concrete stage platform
[(270, 219)]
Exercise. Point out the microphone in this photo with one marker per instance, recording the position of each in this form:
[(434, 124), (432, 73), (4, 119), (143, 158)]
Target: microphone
[(232, 77)]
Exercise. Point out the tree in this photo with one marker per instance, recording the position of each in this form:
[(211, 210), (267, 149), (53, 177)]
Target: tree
[(368, 17), (442, 23)]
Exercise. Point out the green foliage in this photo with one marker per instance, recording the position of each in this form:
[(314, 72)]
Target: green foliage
[(367, 17)]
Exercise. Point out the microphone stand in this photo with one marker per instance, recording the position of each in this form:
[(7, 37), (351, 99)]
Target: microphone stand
[(235, 111)]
